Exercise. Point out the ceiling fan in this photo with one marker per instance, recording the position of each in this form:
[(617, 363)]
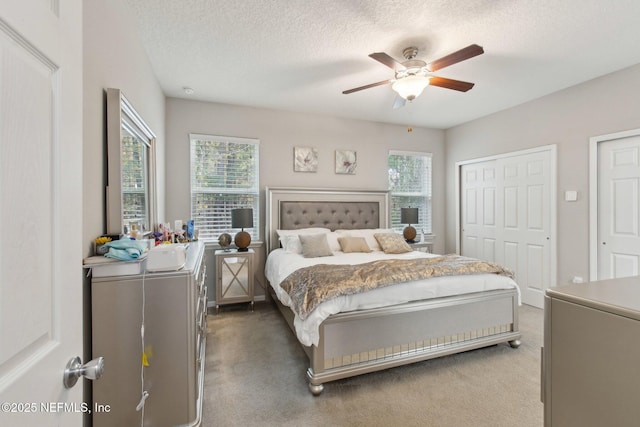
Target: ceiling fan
[(413, 75)]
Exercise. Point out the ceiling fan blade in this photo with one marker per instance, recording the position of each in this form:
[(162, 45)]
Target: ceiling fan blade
[(450, 84), (385, 59), (455, 57), (356, 89), (399, 102)]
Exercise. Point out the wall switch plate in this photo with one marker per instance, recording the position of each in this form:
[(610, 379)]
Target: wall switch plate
[(570, 195)]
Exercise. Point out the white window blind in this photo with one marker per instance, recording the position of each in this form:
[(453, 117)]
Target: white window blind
[(410, 187), (134, 164), (224, 176)]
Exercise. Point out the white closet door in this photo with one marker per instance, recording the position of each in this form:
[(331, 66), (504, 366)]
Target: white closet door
[(618, 211), (479, 210), (526, 226), (506, 208)]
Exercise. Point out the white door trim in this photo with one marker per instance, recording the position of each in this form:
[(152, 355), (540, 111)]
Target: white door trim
[(552, 149), (593, 194)]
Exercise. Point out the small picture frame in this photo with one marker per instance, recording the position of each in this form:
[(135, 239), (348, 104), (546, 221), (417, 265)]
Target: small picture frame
[(305, 159), (346, 162)]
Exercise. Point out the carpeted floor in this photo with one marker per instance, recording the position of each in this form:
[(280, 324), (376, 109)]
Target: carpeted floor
[(255, 376)]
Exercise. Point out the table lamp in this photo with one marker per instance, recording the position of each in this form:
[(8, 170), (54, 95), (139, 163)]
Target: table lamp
[(409, 216), (242, 218)]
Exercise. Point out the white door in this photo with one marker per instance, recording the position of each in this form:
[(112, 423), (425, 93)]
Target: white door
[(40, 210), (618, 207), (507, 211), (479, 210), (526, 222)]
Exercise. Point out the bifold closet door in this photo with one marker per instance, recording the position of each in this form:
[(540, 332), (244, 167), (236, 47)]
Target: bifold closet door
[(506, 217)]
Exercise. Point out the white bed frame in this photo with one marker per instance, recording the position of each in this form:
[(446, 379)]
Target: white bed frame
[(365, 341)]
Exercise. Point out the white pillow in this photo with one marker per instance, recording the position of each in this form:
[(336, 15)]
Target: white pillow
[(289, 238), (332, 239), (367, 233), (291, 243), (297, 232)]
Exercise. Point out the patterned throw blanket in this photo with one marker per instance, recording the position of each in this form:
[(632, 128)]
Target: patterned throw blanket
[(308, 287)]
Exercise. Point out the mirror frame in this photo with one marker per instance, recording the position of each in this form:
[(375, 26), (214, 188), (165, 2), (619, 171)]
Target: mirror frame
[(119, 109)]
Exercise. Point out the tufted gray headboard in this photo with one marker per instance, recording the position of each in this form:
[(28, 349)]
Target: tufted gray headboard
[(291, 208), (331, 215)]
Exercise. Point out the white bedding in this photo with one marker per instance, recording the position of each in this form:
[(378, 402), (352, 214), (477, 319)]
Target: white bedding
[(280, 264)]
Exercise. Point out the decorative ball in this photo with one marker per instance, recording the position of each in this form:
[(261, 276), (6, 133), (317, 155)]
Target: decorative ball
[(242, 240), (224, 240), (409, 233)]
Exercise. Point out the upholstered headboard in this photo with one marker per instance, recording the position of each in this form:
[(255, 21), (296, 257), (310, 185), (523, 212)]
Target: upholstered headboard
[(291, 208)]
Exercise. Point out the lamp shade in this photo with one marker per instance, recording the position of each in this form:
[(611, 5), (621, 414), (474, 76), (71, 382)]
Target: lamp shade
[(242, 218), (410, 87), (408, 215)]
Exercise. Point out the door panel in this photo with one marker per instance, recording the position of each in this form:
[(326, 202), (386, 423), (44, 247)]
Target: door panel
[(26, 78), (535, 267), (40, 204), (471, 244), (516, 203), (511, 208), (489, 249), (624, 265), (535, 207), (619, 207), (479, 214), (489, 206), (530, 178)]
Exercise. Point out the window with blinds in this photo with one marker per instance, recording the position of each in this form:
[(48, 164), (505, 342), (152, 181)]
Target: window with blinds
[(134, 164), (224, 176), (410, 187)]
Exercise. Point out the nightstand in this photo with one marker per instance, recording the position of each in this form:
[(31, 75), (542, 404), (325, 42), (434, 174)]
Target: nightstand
[(234, 277), (422, 247)]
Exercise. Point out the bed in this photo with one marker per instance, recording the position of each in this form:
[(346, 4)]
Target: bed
[(387, 327)]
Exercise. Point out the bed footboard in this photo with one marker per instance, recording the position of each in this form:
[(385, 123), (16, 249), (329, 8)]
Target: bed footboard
[(365, 341)]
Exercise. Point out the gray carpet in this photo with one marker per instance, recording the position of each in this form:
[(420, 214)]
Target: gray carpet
[(255, 376)]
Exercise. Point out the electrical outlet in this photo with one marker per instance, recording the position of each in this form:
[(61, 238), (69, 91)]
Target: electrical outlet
[(577, 279)]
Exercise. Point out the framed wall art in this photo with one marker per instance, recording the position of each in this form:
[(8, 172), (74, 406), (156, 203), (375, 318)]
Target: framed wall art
[(305, 159), (346, 162)]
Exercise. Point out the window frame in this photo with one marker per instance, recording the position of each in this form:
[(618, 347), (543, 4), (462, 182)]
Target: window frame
[(212, 234), (122, 115), (426, 211)]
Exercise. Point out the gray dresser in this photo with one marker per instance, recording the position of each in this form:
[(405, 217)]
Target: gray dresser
[(175, 306), (591, 354)]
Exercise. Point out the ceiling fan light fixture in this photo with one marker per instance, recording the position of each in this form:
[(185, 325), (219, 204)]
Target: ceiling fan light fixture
[(410, 87)]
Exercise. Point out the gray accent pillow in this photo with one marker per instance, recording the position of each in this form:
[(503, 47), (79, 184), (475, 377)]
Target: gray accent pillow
[(315, 245), (392, 243)]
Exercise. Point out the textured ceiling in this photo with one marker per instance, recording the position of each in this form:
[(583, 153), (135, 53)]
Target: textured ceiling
[(299, 55)]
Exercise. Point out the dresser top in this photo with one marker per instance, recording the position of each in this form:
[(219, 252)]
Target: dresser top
[(616, 296)]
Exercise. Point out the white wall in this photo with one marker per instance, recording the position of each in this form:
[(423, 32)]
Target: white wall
[(279, 132), (113, 57), (567, 118)]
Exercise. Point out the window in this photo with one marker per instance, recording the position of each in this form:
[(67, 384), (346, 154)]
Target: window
[(410, 186), (134, 180), (131, 171), (224, 176)]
